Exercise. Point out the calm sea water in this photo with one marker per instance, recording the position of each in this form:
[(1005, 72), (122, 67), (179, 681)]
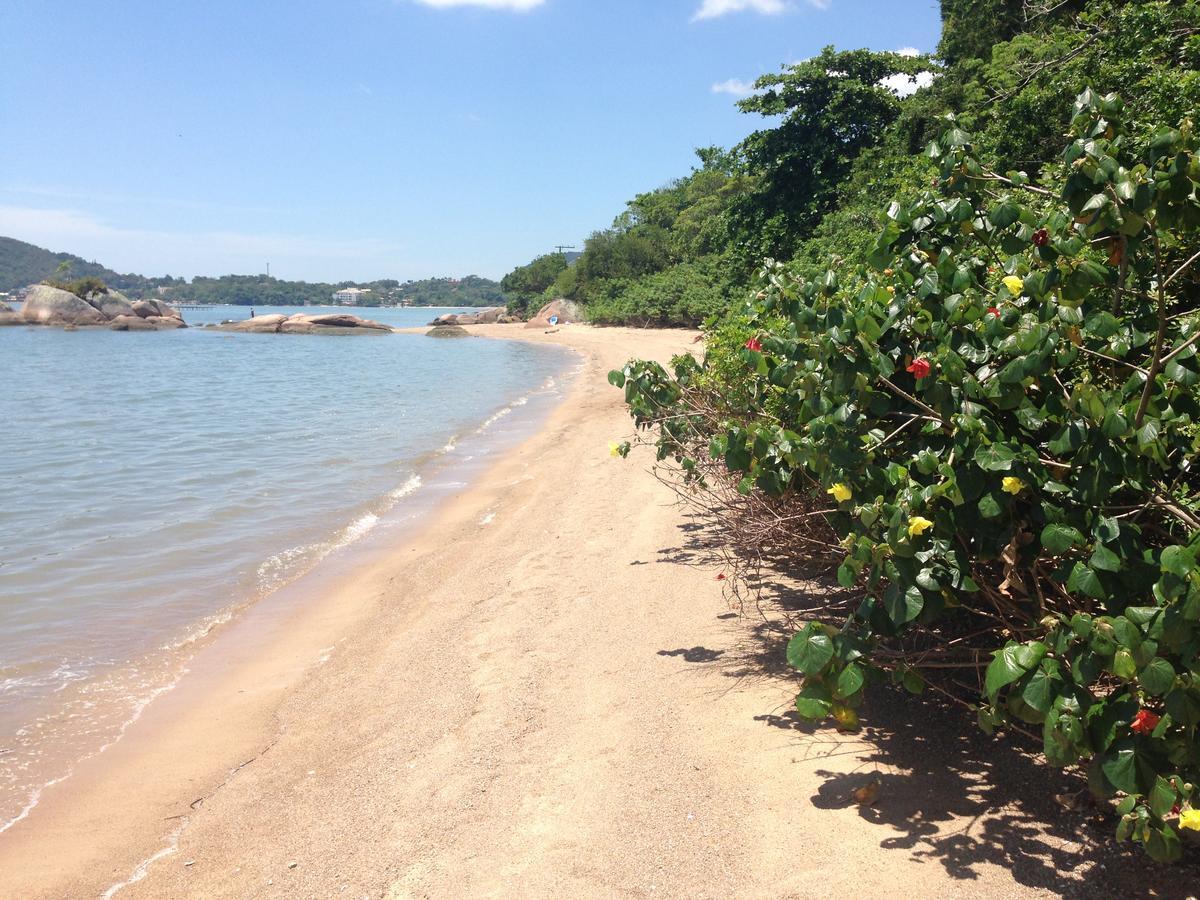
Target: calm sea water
[(155, 483)]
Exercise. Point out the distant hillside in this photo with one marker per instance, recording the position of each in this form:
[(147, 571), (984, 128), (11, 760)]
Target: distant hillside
[(23, 264)]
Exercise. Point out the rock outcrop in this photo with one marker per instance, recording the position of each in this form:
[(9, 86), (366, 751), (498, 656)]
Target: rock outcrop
[(132, 323), (300, 323), (46, 305), (492, 315), (150, 309), (568, 313), (112, 304)]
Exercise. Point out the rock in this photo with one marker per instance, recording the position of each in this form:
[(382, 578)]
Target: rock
[(448, 319), (448, 331), (568, 313), (45, 305), (111, 304), (323, 323), (491, 315), (131, 323), (257, 325), (166, 322), (148, 308), (332, 323), (11, 318), (467, 320)]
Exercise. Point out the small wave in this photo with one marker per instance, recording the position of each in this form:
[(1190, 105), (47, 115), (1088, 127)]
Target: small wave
[(409, 487), (143, 868)]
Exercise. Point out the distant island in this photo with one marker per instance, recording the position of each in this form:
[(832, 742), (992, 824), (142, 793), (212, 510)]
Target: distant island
[(23, 264)]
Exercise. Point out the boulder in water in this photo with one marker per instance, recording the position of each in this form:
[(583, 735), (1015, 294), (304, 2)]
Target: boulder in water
[(45, 305), (132, 323), (148, 308), (111, 304), (448, 331)]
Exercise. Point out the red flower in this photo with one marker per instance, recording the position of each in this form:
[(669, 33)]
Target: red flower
[(754, 344), (1041, 237), (1145, 722), (721, 577), (920, 368), (994, 311)]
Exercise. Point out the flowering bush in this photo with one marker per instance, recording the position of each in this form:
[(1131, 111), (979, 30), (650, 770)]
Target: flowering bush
[(1003, 411)]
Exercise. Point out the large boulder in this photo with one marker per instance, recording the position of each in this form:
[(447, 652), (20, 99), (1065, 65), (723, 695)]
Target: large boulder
[(165, 323), (132, 323), (258, 325), (111, 304), (148, 308), (332, 323), (491, 315), (11, 318), (45, 305), (568, 313), (448, 319), (467, 320), (448, 331)]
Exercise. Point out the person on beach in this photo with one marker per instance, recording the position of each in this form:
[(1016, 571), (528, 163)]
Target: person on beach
[(252, 312)]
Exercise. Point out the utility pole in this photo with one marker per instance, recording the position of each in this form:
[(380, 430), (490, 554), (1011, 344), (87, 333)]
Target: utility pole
[(268, 270)]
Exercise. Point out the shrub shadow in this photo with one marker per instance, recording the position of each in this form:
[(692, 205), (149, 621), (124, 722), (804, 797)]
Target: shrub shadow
[(944, 791)]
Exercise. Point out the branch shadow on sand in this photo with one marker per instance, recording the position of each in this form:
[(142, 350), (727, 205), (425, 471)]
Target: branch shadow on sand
[(944, 792)]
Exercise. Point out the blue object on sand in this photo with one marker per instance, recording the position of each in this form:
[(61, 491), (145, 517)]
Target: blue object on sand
[(554, 320)]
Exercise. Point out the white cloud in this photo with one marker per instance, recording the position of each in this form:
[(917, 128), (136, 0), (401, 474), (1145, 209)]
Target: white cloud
[(711, 9), (908, 84), (511, 5), (735, 87), (909, 51)]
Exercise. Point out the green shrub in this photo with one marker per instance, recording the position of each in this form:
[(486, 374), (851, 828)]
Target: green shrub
[(1003, 412)]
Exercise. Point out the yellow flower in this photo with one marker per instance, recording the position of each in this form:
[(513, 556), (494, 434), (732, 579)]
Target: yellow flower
[(1013, 485), (1190, 818), (614, 449), (840, 492), (917, 525), (1015, 285)]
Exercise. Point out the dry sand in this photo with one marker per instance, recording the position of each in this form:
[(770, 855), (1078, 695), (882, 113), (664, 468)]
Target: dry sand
[(557, 703)]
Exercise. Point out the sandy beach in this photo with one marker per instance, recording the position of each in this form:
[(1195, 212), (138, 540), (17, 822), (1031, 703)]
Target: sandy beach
[(542, 693)]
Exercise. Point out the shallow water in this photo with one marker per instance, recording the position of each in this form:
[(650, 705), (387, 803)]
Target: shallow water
[(155, 483)]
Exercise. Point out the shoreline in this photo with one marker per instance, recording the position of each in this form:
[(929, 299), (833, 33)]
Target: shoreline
[(284, 626), (540, 692), (100, 705)]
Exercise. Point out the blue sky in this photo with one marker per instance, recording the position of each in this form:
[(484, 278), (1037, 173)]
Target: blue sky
[(357, 139)]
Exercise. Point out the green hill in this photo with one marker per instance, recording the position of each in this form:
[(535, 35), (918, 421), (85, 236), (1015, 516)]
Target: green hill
[(23, 264)]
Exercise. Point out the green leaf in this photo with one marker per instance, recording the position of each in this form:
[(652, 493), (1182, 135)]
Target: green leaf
[(1105, 560), (1004, 669), (1157, 677), (810, 650), (1119, 766), (1058, 539), (1086, 581), (1162, 797), (850, 682), (1162, 845), (1178, 561), (989, 507), (616, 378), (995, 458), (814, 702)]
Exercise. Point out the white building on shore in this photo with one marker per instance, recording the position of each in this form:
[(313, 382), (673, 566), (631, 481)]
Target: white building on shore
[(349, 296)]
